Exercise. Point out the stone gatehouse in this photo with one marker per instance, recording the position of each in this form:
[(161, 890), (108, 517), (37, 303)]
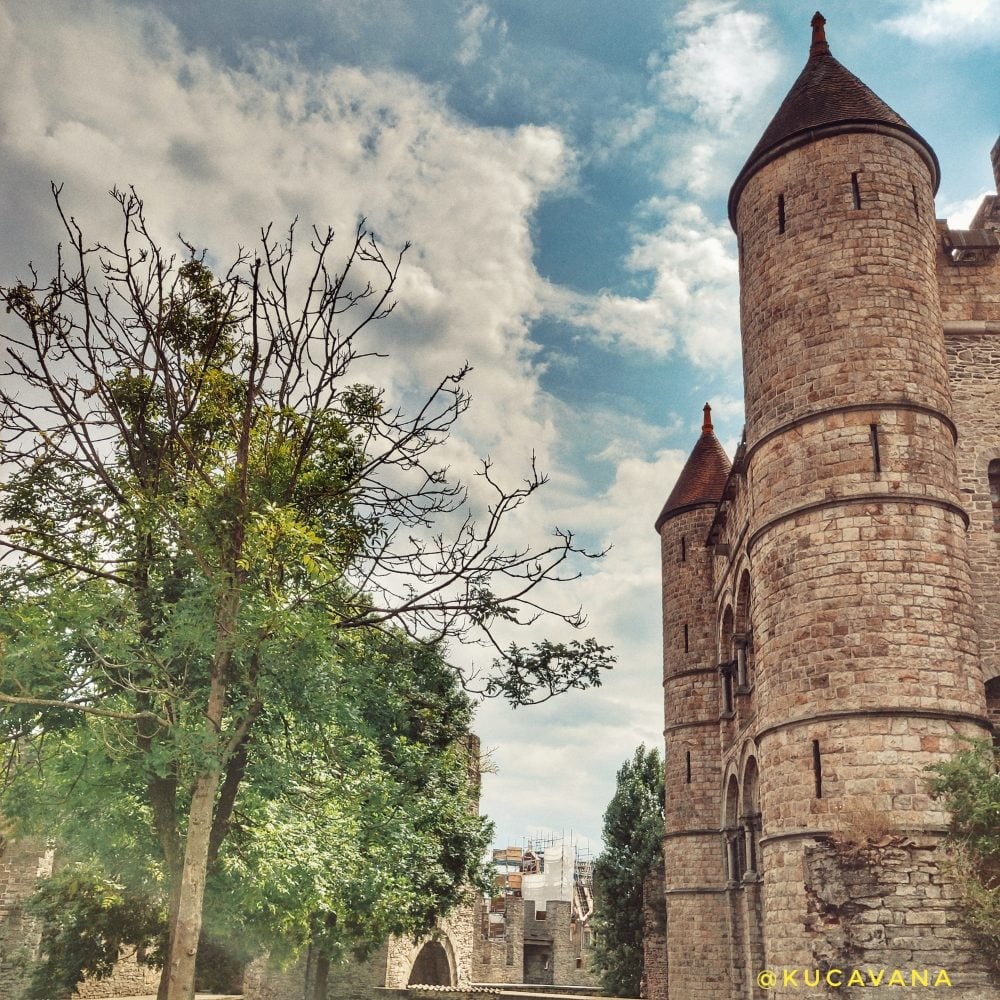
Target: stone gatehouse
[(831, 596)]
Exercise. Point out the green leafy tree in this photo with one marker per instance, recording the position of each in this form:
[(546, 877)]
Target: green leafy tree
[(633, 841), (204, 512), (969, 787), (356, 820)]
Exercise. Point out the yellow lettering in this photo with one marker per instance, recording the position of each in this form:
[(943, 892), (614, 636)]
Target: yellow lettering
[(855, 978), (807, 980), (832, 982), (918, 978), (875, 979), (942, 979), (896, 979), (789, 978)]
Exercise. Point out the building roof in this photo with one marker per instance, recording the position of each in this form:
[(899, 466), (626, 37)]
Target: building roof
[(826, 99), (703, 479)]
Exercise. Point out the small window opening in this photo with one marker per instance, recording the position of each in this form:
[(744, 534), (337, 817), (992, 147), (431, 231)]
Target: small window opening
[(994, 475), (683, 549), (856, 190), (817, 770), (916, 201), (686, 650), (876, 454), (688, 779), (781, 213)]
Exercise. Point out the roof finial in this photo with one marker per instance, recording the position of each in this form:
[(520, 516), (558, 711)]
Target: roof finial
[(706, 427), (819, 44)]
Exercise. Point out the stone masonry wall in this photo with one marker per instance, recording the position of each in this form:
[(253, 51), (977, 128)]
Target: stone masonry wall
[(22, 863), (975, 371), (888, 906), (697, 953), (866, 649), (654, 938), (842, 300)]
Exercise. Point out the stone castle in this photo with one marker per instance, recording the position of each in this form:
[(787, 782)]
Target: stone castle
[(831, 597)]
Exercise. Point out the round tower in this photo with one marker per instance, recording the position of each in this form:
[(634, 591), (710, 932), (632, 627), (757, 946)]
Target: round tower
[(698, 959), (866, 659)]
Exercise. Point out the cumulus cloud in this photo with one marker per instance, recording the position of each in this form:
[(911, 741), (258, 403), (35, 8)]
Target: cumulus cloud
[(967, 22), (722, 67), (590, 734), (114, 95), (217, 152), (475, 24), (959, 213), (716, 79), (693, 303)]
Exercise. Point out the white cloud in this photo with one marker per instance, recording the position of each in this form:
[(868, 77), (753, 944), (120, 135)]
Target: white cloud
[(694, 300), (586, 736), (112, 96), (723, 66), (959, 213), (475, 25), (969, 22)]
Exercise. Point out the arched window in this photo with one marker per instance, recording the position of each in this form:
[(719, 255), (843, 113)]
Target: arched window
[(994, 474), (751, 819), (993, 706), (735, 848), (727, 664), (743, 636)]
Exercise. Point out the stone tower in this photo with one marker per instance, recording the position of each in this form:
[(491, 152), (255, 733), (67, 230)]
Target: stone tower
[(691, 708), (820, 632)]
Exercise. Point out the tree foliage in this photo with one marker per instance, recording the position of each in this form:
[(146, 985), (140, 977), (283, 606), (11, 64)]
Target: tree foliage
[(969, 787), (213, 532), (633, 841)]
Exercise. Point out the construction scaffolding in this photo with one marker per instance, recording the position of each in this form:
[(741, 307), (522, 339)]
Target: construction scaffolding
[(543, 869)]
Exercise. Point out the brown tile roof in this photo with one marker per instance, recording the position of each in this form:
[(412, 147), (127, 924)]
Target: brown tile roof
[(703, 478), (825, 96)]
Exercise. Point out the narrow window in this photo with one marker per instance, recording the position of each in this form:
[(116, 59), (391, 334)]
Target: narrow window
[(817, 770), (684, 550), (739, 246), (916, 201), (727, 688), (856, 190), (688, 781), (686, 639), (994, 474), (781, 213), (876, 455)]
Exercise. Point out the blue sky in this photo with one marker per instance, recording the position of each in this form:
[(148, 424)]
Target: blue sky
[(561, 167)]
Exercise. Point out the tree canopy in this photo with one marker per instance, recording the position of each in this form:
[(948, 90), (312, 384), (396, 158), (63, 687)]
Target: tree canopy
[(633, 842), (223, 557)]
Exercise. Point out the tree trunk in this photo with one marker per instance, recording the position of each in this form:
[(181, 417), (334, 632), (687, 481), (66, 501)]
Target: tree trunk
[(186, 931), (176, 871), (317, 988)]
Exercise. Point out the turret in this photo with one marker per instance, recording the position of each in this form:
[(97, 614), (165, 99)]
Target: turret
[(866, 651), (693, 863)]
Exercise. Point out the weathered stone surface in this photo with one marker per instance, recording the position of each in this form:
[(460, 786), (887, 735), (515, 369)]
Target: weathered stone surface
[(841, 604)]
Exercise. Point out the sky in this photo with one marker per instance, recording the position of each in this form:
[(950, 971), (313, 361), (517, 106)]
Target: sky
[(561, 168)]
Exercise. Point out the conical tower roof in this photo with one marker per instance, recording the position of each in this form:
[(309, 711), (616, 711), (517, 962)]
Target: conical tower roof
[(703, 478), (826, 99)]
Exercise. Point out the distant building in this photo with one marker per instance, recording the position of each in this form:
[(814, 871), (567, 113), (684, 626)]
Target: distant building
[(536, 928), (831, 597)]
